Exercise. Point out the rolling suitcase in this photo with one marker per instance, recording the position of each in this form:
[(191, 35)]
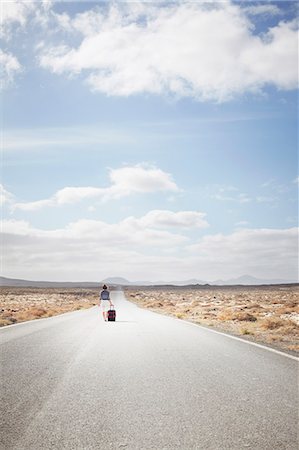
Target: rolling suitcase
[(111, 314)]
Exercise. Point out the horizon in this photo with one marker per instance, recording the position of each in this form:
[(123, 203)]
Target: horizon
[(114, 280), (128, 149)]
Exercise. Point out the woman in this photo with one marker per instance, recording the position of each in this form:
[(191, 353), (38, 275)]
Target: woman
[(105, 302)]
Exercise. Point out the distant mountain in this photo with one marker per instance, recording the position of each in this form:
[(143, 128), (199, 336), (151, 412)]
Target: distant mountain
[(46, 284), (192, 281), (245, 280), (117, 280), (248, 280)]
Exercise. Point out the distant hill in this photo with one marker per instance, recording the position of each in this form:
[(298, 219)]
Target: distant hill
[(116, 280), (248, 280), (46, 284), (245, 280)]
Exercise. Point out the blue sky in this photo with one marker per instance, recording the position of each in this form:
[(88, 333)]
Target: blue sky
[(149, 140)]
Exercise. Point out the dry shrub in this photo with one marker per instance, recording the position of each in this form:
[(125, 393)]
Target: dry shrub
[(272, 323), (37, 312), (254, 306), (4, 322), (273, 338), (179, 315), (224, 315), (195, 303), (23, 316), (245, 331), (289, 328), (151, 305), (167, 303), (284, 310), (239, 316), (246, 317), (294, 347), (292, 304)]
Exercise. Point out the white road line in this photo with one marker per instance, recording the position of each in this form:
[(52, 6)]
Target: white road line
[(243, 340), (287, 355)]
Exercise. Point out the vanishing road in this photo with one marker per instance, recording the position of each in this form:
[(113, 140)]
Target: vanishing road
[(144, 382)]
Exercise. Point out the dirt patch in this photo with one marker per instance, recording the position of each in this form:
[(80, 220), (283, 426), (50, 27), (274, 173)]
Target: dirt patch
[(21, 304), (265, 315)]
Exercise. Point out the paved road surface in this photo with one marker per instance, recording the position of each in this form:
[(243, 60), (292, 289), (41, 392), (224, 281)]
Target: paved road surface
[(144, 382)]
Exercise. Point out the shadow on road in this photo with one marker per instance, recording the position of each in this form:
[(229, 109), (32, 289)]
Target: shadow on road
[(125, 321)]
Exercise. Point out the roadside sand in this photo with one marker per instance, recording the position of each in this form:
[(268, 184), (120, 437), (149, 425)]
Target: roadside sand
[(21, 304), (266, 315)]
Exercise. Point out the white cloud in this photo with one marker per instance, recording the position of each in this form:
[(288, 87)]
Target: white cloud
[(124, 182), (16, 14), (15, 17), (268, 253), (126, 233), (206, 51), (10, 66), (80, 136), (96, 246), (170, 219), (242, 223), (296, 180), (263, 9), (5, 196), (13, 13), (228, 194), (91, 250)]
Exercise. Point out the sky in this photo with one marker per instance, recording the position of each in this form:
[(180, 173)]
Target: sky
[(149, 140)]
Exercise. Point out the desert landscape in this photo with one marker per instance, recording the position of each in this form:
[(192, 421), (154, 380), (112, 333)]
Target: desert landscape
[(22, 304), (266, 314)]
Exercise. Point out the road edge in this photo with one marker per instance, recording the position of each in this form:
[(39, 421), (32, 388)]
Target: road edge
[(232, 336)]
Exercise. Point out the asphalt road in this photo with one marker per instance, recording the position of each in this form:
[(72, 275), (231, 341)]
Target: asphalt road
[(146, 381)]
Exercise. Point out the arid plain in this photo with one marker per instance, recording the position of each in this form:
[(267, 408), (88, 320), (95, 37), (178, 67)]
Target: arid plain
[(266, 314), (19, 304)]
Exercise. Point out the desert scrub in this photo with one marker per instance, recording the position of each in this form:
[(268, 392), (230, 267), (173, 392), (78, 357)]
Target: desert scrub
[(179, 315), (272, 323), (236, 315), (245, 332), (23, 304)]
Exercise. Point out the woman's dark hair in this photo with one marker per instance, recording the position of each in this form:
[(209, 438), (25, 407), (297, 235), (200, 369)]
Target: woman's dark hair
[(104, 287)]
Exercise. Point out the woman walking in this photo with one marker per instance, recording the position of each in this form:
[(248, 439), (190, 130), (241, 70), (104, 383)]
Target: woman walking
[(105, 302)]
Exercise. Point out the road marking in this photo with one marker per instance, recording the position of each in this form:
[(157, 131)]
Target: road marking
[(287, 355), (241, 340)]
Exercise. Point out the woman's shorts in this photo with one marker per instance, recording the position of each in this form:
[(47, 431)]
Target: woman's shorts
[(105, 305)]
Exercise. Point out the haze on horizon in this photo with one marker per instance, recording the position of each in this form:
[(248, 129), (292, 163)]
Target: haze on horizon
[(149, 141)]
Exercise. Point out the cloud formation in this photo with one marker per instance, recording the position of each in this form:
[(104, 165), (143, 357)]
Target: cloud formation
[(15, 15), (268, 252), (205, 51), (124, 182), (91, 250), (227, 193), (10, 67), (5, 196), (170, 219)]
